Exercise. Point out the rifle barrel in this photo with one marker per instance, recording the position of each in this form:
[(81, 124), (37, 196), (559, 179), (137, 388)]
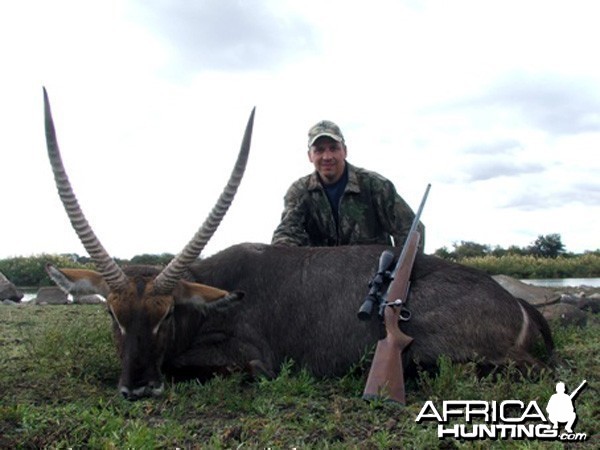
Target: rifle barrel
[(413, 230), (415, 223), (574, 393)]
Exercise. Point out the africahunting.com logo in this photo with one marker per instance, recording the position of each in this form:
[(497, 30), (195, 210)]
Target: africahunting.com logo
[(509, 419)]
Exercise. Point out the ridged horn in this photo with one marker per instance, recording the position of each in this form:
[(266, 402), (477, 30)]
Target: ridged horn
[(166, 280), (112, 273)]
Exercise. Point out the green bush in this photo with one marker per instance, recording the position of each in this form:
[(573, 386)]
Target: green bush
[(152, 260), (527, 267), (29, 270)]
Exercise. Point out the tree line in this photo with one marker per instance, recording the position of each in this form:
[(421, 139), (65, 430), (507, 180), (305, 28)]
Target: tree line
[(545, 246), (30, 270), (546, 257)]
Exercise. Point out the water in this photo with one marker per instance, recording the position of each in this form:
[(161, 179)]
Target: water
[(28, 294), (564, 282)]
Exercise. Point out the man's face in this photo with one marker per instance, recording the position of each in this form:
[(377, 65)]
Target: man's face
[(328, 156)]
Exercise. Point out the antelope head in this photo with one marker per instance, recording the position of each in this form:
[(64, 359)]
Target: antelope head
[(142, 304)]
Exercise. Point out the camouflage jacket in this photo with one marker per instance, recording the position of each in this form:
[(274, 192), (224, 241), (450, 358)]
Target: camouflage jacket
[(370, 212)]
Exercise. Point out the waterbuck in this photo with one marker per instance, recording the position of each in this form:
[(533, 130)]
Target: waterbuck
[(259, 305)]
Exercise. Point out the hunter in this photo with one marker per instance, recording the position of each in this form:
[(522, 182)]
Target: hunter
[(340, 204)]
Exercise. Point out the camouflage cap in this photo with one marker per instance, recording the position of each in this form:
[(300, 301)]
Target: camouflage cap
[(324, 128)]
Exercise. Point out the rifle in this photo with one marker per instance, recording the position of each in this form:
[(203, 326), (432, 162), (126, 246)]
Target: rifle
[(386, 377), (576, 391)]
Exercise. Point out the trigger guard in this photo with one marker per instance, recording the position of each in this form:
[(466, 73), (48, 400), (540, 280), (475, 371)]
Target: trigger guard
[(405, 314)]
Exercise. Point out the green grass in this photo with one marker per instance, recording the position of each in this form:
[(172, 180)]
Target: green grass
[(58, 390)]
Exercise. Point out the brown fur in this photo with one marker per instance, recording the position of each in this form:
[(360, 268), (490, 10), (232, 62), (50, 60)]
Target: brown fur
[(301, 304)]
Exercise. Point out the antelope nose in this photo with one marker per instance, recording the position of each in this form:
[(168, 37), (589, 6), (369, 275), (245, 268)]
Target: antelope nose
[(133, 394), (126, 393), (151, 389)]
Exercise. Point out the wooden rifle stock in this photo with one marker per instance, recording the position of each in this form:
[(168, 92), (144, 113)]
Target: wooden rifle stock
[(386, 377)]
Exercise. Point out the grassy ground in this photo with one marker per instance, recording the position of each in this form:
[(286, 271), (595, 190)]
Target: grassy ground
[(58, 375)]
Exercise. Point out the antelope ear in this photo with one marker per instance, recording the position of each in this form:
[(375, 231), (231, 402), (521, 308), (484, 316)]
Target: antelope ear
[(78, 281), (207, 296)]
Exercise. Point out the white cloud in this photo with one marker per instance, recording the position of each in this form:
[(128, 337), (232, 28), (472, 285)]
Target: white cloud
[(494, 103)]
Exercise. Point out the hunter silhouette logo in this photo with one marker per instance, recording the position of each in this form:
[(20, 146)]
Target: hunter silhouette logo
[(508, 419), (560, 407)]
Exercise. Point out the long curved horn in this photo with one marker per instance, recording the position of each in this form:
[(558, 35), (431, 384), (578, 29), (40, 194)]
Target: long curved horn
[(112, 273), (166, 280)]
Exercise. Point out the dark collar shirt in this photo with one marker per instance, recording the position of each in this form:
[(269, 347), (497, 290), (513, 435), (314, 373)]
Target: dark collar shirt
[(369, 211)]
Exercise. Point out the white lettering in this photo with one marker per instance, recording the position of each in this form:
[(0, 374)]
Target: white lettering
[(503, 420), (525, 430), (453, 412), (452, 431), (433, 415), (506, 407), (473, 434), (537, 414), (488, 430), (472, 410), (573, 437), (545, 431)]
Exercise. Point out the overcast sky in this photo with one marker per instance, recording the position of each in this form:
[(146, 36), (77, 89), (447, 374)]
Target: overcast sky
[(495, 103)]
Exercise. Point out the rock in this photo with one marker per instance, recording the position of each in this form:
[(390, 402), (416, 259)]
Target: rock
[(575, 300), (9, 303), (535, 295), (8, 291), (89, 299), (50, 295), (565, 314), (591, 304)]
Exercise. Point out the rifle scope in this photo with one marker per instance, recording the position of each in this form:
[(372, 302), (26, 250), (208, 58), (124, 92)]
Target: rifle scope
[(381, 277)]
